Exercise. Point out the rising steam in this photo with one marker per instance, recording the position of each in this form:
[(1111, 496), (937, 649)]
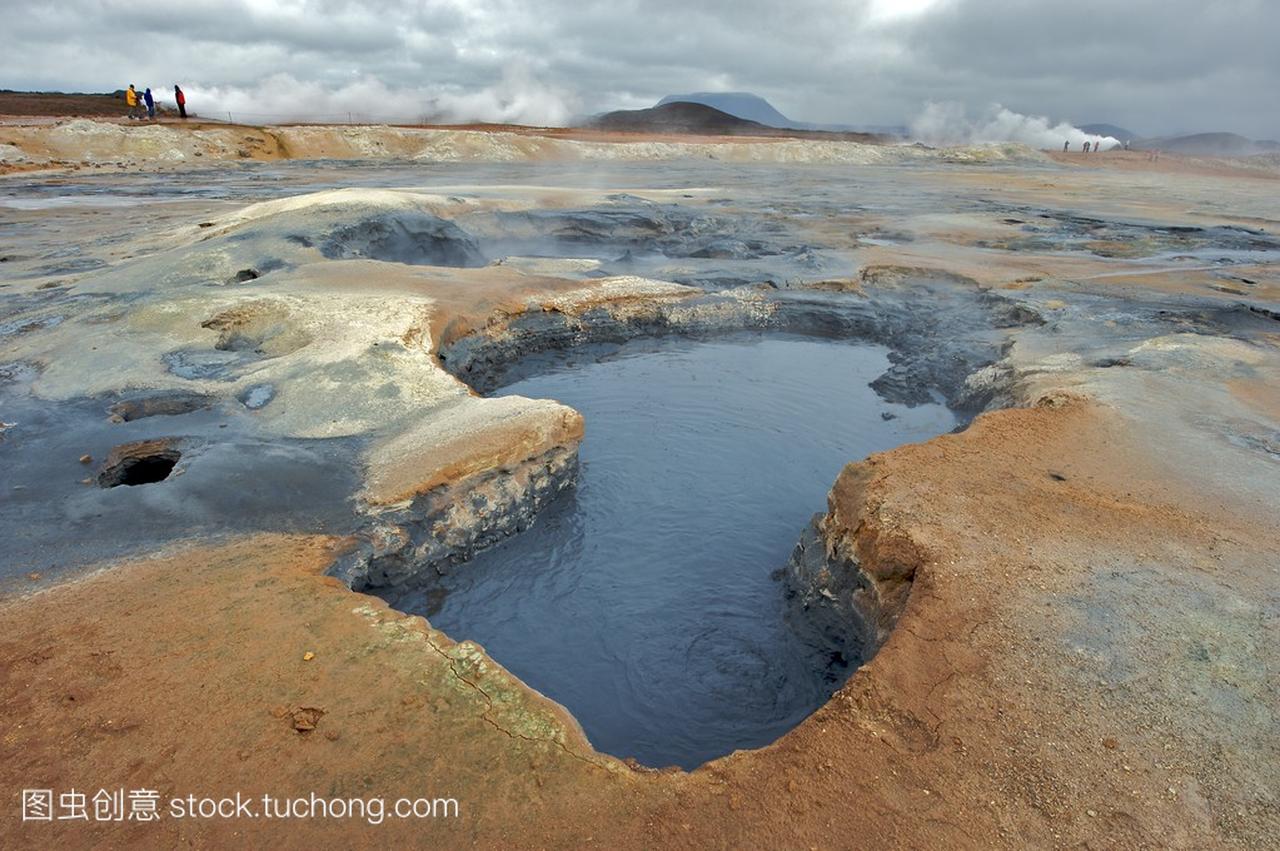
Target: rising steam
[(950, 124), (518, 98)]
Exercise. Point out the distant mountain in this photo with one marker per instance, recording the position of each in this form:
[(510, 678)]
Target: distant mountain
[(686, 117), (1110, 130), (751, 107), (1193, 144), (1210, 145), (742, 105), (680, 117)]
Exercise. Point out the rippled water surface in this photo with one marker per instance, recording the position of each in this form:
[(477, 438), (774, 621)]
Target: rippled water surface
[(644, 600)]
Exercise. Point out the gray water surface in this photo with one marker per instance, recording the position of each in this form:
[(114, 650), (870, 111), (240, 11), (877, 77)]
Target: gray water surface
[(643, 601)]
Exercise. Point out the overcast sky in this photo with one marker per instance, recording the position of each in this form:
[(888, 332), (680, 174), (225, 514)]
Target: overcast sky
[(1154, 66)]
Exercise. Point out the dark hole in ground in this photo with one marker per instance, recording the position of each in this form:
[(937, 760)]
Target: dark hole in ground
[(139, 469), (645, 600)]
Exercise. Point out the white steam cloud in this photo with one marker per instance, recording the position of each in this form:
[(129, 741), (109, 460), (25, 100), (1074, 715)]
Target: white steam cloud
[(518, 98), (950, 124)]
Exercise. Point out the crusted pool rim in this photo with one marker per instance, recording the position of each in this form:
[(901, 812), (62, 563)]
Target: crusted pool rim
[(946, 336)]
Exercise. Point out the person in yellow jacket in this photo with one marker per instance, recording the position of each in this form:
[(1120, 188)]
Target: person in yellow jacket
[(131, 100)]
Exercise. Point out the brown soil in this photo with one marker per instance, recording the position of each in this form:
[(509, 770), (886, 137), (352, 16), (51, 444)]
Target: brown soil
[(61, 105), (1044, 687), (1165, 163)]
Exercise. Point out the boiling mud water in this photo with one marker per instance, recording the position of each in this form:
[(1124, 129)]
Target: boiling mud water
[(644, 601)]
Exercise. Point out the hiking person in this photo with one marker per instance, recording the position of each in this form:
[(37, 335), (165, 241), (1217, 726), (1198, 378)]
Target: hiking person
[(1086, 147), (131, 100), (151, 104), (181, 99), (1066, 146)]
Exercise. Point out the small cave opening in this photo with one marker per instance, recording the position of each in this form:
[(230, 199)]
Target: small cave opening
[(138, 465)]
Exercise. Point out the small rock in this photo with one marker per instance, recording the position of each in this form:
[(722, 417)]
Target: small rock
[(305, 718), (308, 656), (34, 576), (86, 459), (332, 735), (243, 755), (1110, 743)]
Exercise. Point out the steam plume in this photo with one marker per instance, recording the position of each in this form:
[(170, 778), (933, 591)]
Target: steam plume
[(950, 124), (517, 98)]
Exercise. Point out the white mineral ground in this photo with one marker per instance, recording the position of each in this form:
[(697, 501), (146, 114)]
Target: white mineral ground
[(1086, 657), (104, 143)]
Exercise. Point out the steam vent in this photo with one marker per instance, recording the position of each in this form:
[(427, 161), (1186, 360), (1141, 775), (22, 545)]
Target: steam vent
[(615, 488)]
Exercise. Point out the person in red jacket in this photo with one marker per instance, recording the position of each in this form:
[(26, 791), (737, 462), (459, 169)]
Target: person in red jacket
[(181, 99)]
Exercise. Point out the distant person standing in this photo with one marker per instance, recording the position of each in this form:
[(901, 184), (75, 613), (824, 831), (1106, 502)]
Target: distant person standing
[(151, 104), (1086, 147), (131, 100), (1066, 146), (181, 100)]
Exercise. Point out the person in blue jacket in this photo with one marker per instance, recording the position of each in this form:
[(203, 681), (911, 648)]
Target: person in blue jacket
[(151, 104)]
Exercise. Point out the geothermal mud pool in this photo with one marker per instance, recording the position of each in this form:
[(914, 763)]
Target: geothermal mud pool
[(593, 420), (662, 569)]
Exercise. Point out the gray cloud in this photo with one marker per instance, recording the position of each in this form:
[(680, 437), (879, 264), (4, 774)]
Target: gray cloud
[(1157, 66)]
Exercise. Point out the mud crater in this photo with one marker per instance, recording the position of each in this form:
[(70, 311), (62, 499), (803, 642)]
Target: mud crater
[(143, 463), (404, 237), (673, 635), (652, 598)]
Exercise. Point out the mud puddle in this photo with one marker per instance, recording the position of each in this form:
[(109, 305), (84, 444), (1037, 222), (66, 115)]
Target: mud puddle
[(646, 601)]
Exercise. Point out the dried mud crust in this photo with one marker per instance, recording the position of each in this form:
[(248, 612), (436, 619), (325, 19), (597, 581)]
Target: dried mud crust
[(940, 330), (978, 724)]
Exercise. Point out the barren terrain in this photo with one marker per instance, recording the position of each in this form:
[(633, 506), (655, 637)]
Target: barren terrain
[(1074, 598)]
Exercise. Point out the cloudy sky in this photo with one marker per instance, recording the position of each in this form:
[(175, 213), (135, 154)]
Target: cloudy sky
[(1155, 66)]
